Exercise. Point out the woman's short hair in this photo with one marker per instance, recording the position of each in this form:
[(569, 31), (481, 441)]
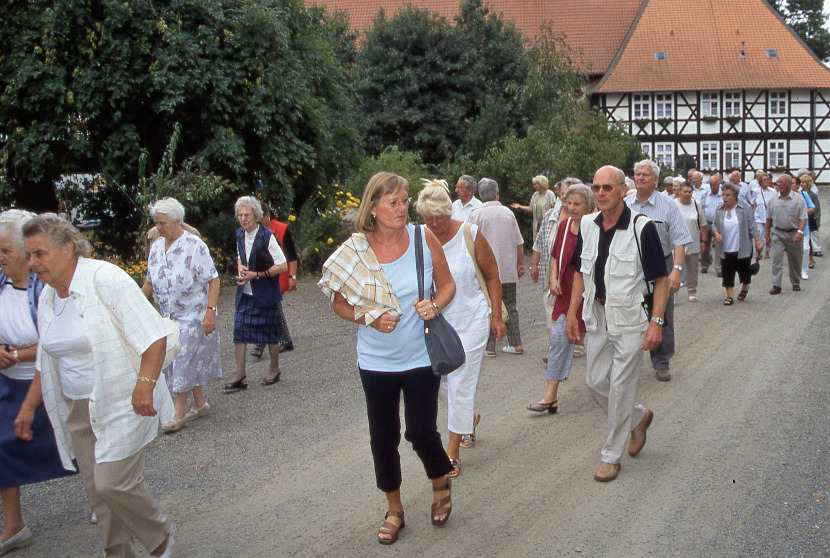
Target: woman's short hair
[(11, 223), (762, 174), (806, 178), (170, 208), (250, 202), (678, 181), (487, 189), (541, 180), (731, 187), (583, 192), (379, 185), (59, 231), (434, 200), (687, 184), (266, 210)]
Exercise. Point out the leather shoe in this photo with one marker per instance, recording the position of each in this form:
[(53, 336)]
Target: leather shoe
[(663, 374), (638, 435), (607, 472), (797, 288), (21, 539), (775, 290)]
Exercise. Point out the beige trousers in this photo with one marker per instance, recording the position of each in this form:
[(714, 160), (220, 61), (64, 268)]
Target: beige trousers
[(117, 491)]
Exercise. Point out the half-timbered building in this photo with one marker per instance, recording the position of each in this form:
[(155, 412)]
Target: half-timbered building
[(726, 83)]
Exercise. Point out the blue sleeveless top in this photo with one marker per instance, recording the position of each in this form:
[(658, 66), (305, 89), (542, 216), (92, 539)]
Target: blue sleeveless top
[(404, 348)]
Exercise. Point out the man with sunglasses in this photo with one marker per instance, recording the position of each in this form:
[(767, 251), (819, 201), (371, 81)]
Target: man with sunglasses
[(616, 254), (674, 235)]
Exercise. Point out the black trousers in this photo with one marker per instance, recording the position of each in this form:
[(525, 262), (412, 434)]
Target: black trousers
[(730, 264), (420, 397)]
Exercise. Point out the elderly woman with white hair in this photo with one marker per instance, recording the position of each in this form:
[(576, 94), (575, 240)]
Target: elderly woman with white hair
[(259, 263), (468, 312), (181, 273), (20, 462), (541, 200)]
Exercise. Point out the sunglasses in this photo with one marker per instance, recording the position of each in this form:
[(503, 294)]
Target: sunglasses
[(604, 187)]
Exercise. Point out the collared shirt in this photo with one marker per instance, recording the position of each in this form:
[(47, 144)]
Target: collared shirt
[(699, 194), (543, 243), (353, 271), (101, 290), (666, 216), (653, 260), (762, 198), (710, 203), (499, 227), (461, 211), (787, 212), (747, 193)]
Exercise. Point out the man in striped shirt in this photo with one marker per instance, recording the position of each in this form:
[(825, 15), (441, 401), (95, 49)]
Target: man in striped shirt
[(673, 237)]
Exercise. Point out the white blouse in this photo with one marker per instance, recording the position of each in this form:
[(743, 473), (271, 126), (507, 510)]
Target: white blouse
[(67, 342), (17, 329)]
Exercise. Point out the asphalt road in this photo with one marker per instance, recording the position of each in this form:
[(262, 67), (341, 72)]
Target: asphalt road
[(736, 462)]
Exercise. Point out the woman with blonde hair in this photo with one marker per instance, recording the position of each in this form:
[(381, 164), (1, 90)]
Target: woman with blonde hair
[(372, 281), (468, 313), (541, 200)]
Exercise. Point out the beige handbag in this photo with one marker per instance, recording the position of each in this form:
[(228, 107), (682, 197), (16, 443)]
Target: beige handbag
[(471, 248)]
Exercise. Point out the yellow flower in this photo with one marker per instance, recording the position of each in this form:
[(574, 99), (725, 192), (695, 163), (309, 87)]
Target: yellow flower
[(292, 218), (316, 249), (330, 240)]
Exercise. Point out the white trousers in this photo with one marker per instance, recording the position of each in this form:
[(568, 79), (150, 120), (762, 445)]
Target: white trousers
[(613, 374), (458, 388), (814, 238), (805, 259)]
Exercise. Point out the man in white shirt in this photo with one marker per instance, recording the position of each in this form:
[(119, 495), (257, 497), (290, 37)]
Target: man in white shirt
[(465, 189), (747, 193), (696, 177), (710, 202)]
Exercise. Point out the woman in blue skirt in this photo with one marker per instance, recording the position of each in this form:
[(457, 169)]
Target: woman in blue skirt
[(20, 462), (259, 261)]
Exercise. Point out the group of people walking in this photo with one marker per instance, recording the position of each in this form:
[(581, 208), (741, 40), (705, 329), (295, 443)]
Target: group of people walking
[(83, 349)]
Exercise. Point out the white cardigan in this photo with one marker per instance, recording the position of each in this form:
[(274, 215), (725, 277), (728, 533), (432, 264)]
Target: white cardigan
[(120, 432)]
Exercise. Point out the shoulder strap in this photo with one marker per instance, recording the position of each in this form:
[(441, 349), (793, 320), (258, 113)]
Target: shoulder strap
[(562, 250), (639, 250), (471, 248), (419, 262)]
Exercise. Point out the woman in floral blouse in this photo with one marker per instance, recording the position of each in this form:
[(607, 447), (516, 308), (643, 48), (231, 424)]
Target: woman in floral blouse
[(181, 273)]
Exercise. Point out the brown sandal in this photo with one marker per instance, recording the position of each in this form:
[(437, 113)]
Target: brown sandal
[(389, 528), (442, 507)]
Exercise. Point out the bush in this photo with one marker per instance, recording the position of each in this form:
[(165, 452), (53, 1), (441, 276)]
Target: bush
[(405, 163)]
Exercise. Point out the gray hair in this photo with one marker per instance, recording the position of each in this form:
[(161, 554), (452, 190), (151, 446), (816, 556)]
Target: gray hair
[(59, 231), (655, 169), (469, 181), (668, 180), (11, 223), (566, 183), (434, 200), (249, 202), (787, 176), (725, 185), (584, 192), (487, 189), (169, 207)]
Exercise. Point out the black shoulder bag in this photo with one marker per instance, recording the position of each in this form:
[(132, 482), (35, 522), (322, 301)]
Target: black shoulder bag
[(648, 298), (446, 353)]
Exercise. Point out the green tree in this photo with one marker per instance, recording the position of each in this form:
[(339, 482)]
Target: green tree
[(807, 19), (261, 90)]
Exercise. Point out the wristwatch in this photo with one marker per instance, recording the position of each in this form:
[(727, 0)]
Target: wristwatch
[(437, 308), (294, 277), (678, 267), (658, 321)]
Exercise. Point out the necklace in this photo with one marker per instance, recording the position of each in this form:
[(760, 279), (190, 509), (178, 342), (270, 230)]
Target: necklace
[(376, 239), (55, 304)]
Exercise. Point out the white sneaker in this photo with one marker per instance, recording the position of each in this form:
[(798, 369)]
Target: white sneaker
[(804, 275), (692, 298)]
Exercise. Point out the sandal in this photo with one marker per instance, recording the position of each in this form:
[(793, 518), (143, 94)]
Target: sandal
[(469, 440), (579, 351), (442, 507), (542, 407), (742, 294), (456, 468), (389, 528), (728, 301)]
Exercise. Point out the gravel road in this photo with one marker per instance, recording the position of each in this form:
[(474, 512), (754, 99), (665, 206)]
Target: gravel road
[(736, 462)]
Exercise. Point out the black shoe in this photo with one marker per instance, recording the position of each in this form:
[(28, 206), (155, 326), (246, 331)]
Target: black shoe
[(720, 274), (257, 350), (286, 347), (272, 381), (796, 288), (239, 384), (704, 270), (775, 290)]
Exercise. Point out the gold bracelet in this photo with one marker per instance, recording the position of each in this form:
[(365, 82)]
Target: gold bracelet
[(145, 379)]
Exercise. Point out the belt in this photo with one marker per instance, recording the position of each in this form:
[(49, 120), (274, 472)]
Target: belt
[(784, 230)]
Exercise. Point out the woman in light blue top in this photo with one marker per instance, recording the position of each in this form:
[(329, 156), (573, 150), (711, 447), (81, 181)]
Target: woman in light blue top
[(376, 268)]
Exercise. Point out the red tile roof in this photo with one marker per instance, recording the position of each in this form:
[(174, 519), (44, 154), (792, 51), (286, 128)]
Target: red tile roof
[(596, 27), (703, 40)]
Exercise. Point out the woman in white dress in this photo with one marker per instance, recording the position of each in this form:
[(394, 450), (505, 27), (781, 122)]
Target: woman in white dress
[(468, 312), (181, 273)]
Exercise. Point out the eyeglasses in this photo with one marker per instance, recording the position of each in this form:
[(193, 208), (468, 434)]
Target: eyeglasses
[(394, 204), (604, 187)]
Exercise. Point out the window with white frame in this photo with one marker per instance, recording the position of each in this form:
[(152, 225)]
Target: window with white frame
[(663, 105), (732, 104), (646, 147), (776, 153), (709, 105), (731, 154), (664, 154), (778, 103), (641, 107), (709, 155)]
